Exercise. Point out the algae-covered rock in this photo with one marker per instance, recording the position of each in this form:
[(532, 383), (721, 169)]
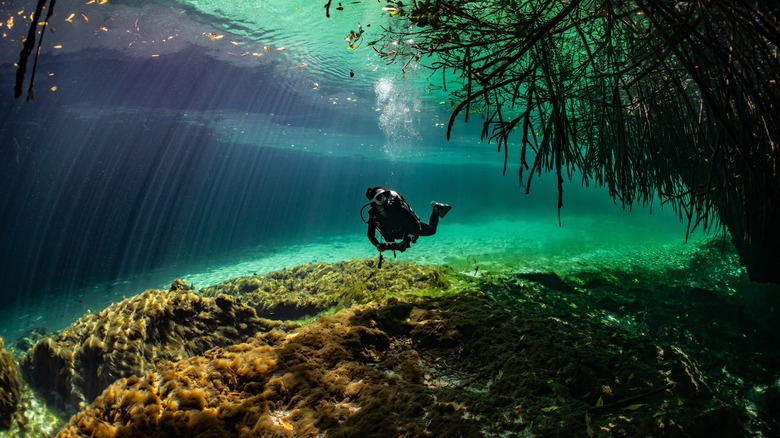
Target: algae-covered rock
[(10, 386), (447, 366), (133, 337), (307, 290)]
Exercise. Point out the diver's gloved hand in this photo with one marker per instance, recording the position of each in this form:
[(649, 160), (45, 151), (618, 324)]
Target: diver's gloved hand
[(395, 246), (390, 246)]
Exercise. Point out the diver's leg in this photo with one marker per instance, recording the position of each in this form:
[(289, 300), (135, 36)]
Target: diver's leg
[(429, 229)]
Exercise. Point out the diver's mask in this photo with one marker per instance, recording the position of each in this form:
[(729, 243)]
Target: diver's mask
[(380, 198)]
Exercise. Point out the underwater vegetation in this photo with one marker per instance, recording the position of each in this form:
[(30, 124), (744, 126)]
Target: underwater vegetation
[(131, 337), (427, 367), (307, 290), (10, 386), (410, 350)]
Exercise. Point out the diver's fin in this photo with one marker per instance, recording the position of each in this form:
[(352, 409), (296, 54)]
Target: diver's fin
[(441, 209)]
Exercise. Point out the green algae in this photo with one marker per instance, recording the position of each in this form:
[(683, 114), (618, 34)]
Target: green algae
[(307, 290)]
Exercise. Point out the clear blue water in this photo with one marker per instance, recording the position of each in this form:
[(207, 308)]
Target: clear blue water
[(181, 142)]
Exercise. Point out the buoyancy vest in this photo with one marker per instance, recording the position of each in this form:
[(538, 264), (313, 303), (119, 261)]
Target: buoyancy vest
[(399, 219)]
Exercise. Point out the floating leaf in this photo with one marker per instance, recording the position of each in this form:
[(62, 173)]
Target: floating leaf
[(58, 46), (599, 402), (550, 409), (54, 88), (70, 17), (633, 407), (85, 18), (10, 22)]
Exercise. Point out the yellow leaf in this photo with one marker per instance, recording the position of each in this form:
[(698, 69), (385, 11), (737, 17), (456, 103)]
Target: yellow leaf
[(588, 425), (85, 18), (102, 2), (279, 49), (266, 48), (285, 423), (58, 46), (234, 43), (10, 22), (70, 17), (104, 29), (54, 88)]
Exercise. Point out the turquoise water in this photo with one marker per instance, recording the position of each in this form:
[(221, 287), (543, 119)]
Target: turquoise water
[(587, 242), (205, 140)]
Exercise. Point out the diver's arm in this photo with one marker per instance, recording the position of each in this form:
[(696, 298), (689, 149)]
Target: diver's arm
[(372, 232)]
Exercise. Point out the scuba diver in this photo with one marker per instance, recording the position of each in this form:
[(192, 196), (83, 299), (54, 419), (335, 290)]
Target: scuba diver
[(391, 214)]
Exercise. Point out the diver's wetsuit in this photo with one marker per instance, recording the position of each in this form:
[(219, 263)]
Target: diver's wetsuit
[(398, 222)]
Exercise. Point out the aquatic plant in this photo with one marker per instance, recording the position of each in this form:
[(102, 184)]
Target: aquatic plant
[(10, 386), (133, 336), (649, 98)]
